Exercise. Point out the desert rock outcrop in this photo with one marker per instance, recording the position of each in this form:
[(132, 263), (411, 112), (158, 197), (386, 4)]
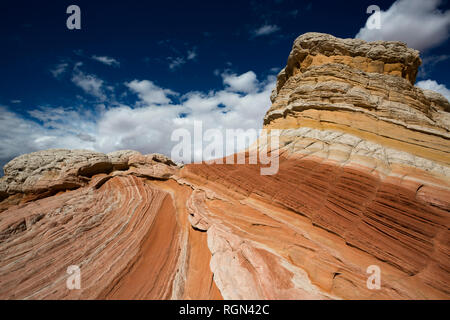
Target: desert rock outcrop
[(363, 180)]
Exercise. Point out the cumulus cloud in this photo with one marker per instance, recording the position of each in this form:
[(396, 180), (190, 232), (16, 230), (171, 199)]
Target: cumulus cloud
[(73, 120), (20, 135), (149, 93), (106, 60), (146, 127), (433, 85), (266, 30), (245, 82), (149, 128), (419, 23)]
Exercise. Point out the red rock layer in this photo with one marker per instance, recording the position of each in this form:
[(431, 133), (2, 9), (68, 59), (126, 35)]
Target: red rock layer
[(213, 231), (386, 219), (126, 237)]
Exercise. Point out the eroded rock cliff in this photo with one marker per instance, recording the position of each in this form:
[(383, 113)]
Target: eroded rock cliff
[(363, 180)]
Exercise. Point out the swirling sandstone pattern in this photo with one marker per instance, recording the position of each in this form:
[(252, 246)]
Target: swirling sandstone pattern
[(124, 233), (363, 180)]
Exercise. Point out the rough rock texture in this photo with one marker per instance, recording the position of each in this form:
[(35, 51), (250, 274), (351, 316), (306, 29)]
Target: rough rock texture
[(363, 180), (44, 173), (119, 159), (52, 170), (385, 57)]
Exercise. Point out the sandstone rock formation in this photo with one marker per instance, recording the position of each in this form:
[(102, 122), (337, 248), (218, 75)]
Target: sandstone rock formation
[(363, 180), (52, 169), (119, 159), (45, 173)]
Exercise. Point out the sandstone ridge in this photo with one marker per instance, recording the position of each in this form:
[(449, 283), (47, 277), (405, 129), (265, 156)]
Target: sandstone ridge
[(363, 180)]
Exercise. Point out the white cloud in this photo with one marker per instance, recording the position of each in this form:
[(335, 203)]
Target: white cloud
[(20, 135), (89, 83), (176, 62), (275, 69), (433, 85), (150, 93), (246, 82), (191, 54), (147, 128), (106, 60), (265, 30), (59, 69), (65, 119), (419, 23)]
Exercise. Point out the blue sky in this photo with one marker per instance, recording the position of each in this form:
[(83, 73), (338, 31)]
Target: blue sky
[(139, 69)]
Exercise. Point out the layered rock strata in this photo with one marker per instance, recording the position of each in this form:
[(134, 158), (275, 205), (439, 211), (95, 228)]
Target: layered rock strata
[(363, 181)]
